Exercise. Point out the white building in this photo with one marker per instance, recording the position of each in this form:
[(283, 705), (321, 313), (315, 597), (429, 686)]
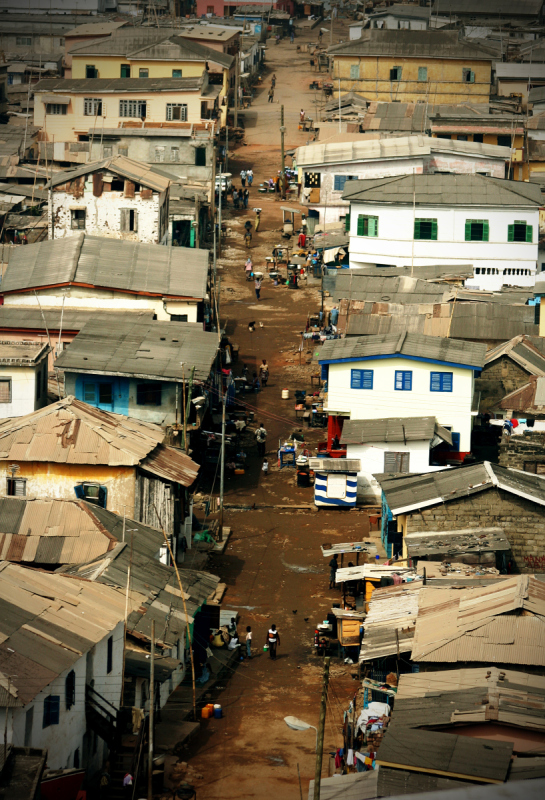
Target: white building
[(116, 198), (411, 375), (326, 168), (23, 378), (63, 655), (447, 219), (409, 444), (399, 17)]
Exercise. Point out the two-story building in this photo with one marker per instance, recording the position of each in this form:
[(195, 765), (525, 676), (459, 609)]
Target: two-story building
[(433, 66), (23, 377), (144, 53), (410, 375), (447, 219), (326, 168), (86, 273), (116, 198)]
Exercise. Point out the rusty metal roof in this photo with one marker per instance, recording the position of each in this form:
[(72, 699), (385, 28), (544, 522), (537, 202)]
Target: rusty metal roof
[(171, 464), (529, 399), (119, 165), (502, 623), (522, 352)]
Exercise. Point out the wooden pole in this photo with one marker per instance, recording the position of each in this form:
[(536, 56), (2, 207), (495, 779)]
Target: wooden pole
[(151, 711), (283, 173), (222, 467), (321, 730), (183, 405)]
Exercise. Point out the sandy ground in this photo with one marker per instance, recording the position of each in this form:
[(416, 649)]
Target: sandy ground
[(273, 565)]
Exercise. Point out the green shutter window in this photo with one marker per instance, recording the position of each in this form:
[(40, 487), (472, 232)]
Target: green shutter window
[(468, 230), (510, 233), (486, 230), (361, 223), (417, 229), (354, 72), (434, 229), (347, 222), (373, 226), (422, 73), (529, 233)]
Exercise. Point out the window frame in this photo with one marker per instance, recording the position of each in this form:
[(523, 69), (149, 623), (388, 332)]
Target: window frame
[(12, 483), (88, 69), (92, 106), (170, 108), (417, 227), (362, 377), (528, 232), (468, 231), (132, 109), (403, 457), (51, 713), (421, 71), (342, 179), (467, 72), (109, 654), (153, 389), (367, 218), (124, 68), (23, 41), (354, 72), (141, 70), (177, 76), (70, 690), (74, 218), (9, 382), (406, 380), (398, 74), (55, 109), (444, 378)]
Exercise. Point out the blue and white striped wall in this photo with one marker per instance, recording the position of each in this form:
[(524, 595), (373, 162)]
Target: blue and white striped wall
[(320, 490)]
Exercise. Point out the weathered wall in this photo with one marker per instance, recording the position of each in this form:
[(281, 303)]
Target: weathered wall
[(151, 149), (57, 481), (522, 520), (516, 451), (498, 379), (27, 393)]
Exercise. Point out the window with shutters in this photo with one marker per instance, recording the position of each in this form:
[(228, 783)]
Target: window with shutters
[(477, 230), (125, 71), (128, 220), (70, 690), (176, 73), (110, 654), (92, 107), (367, 226), (91, 71), (354, 72), (123, 151), (52, 705), (519, 231), (396, 462), (347, 222), (174, 153), (425, 229), (395, 74), (440, 381), (535, 467), (5, 390), (159, 154), (148, 394), (422, 73), (55, 109), (143, 72), (361, 379), (340, 180), (108, 151), (89, 393), (312, 180), (403, 380), (77, 216), (132, 108), (177, 112), (16, 487), (468, 76)]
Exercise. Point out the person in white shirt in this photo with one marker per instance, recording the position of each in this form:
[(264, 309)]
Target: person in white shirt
[(248, 641), (273, 640)]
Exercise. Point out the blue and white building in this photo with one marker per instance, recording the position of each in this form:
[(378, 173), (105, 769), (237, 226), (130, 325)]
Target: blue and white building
[(336, 481)]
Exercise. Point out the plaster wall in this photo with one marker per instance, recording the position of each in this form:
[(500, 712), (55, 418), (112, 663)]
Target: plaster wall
[(27, 389)]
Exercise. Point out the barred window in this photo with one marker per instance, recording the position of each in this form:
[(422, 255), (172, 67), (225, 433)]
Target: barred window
[(55, 108), (92, 107), (132, 108), (177, 111)]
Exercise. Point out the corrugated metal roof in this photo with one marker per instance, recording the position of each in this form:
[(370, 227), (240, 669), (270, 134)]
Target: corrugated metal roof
[(444, 189), (171, 464), (119, 165), (361, 431), (95, 28), (412, 344), (65, 605), (508, 70), (356, 786), (491, 8), (143, 86), (109, 263), (416, 44), (522, 352), (22, 353), (32, 319), (397, 147), (153, 350), (390, 622), (457, 542), (529, 399), (335, 464)]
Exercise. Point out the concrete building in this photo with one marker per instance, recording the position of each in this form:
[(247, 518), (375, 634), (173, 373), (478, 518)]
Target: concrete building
[(69, 635), (507, 367), (326, 168), (116, 198), (516, 80), (400, 16), (447, 219), (410, 375), (83, 34), (138, 368), (23, 377), (407, 66)]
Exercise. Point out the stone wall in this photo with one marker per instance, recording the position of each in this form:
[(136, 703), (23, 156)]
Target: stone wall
[(522, 520), (498, 379), (516, 451)]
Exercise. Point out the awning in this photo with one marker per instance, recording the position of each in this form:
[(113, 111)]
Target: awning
[(62, 99), (441, 435)]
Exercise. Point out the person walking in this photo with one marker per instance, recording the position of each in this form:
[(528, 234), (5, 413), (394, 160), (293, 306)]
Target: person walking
[(243, 175), (333, 567), (261, 439), (245, 197), (257, 220), (264, 372), (273, 641), (273, 81), (250, 176), (292, 35), (271, 95), (235, 198), (249, 268), (248, 641), (302, 116), (257, 285), (248, 239)]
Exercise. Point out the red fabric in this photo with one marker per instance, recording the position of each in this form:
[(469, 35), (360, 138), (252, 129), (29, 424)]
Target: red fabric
[(515, 423), (302, 240)]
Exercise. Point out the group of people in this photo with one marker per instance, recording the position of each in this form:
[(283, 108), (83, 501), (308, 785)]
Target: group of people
[(240, 196), (272, 639)]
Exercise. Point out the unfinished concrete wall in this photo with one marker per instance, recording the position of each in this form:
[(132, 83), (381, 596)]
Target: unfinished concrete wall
[(498, 379), (523, 452)]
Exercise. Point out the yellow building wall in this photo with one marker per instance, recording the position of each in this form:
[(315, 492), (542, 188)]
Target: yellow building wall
[(57, 481), (66, 127), (444, 82), (110, 67)]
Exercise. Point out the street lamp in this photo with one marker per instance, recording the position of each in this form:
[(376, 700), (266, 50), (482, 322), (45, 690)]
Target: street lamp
[(299, 725)]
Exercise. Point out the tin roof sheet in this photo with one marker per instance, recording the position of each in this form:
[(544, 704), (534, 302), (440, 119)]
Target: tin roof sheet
[(361, 431), (453, 543), (69, 319), (119, 165), (416, 44), (520, 350)]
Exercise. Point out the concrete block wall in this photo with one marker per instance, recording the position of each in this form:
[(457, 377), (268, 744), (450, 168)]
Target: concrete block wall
[(498, 379), (516, 451), (522, 520)]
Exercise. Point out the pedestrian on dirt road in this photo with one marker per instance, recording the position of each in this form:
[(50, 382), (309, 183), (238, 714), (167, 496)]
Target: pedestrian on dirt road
[(248, 641), (320, 36), (235, 198), (273, 81), (292, 36), (257, 286), (248, 240), (257, 220), (261, 439), (302, 116), (273, 640), (271, 95), (264, 372), (333, 567), (245, 197), (250, 176), (243, 175)]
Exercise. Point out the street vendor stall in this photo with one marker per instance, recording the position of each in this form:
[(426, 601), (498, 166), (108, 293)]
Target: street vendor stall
[(372, 576), (366, 549)]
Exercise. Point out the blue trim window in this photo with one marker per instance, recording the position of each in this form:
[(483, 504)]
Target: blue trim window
[(440, 381), (403, 380), (361, 378)]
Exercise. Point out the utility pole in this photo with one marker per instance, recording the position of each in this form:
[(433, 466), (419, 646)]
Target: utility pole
[(151, 711), (222, 468), (6, 723), (321, 728), (236, 87), (283, 173), (220, 195)]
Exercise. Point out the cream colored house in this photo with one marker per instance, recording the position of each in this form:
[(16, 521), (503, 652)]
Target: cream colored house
[(76, 111), (23, 377)]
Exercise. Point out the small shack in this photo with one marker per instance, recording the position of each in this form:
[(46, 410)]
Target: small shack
[(336, 481)]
